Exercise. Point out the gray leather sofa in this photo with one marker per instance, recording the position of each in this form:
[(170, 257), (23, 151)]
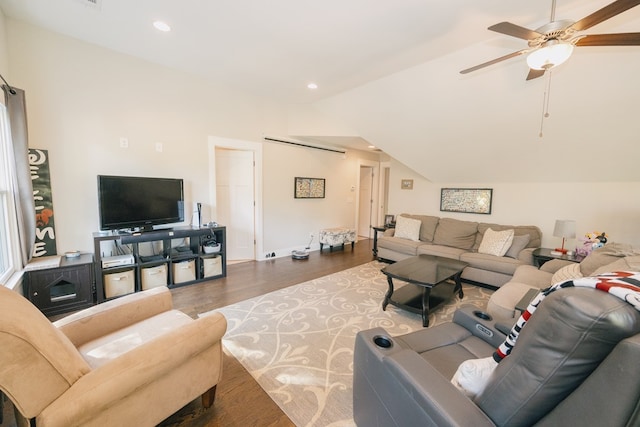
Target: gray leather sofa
[(575, 363), (453, 238)]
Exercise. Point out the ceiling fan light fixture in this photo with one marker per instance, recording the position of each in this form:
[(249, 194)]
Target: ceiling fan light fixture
[(550, 55)]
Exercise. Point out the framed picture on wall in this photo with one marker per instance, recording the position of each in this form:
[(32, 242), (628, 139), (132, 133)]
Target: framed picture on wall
[(406, 184), (468, 200), (308, 188)]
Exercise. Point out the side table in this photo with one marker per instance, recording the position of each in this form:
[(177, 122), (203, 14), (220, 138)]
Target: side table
[(376, 229), (67, 287), (542, 255)]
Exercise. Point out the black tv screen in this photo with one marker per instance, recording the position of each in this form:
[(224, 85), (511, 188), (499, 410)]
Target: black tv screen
[(128, 202)]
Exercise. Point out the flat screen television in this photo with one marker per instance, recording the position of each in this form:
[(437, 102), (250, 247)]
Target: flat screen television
[(128, 202)]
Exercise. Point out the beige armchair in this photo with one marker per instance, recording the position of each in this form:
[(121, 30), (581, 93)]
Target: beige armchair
[(130, 361)]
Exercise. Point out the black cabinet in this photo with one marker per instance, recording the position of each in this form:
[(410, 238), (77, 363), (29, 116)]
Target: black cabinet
[(67, 287), (173, 257)]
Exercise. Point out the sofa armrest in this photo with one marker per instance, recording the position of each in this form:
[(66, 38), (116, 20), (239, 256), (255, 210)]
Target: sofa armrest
[(103, 387), (554, 265), (102, 319), (526, 255), (420, 384), (481, 324)]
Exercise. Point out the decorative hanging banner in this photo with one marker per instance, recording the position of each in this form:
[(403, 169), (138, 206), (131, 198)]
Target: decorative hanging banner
[(41, 181)]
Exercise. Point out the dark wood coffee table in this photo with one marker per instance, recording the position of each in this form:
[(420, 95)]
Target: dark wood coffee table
[(427, 276)]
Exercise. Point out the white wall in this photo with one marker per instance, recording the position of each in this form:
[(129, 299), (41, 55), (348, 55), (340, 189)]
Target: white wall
[(292, 220), (610, 207), (81, 99)]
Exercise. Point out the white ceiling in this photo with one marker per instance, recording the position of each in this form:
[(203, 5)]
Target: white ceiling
[(405, 55)]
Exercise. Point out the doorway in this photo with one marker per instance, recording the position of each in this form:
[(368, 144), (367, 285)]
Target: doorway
[(235, 171), (367, 197)]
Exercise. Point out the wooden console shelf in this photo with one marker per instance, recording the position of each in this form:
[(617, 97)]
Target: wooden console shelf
[(172, 257)]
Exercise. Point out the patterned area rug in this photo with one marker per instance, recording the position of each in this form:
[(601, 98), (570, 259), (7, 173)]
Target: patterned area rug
[(298, 342)]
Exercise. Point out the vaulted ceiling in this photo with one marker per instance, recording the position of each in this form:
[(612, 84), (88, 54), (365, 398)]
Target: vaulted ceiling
[(390, 71)]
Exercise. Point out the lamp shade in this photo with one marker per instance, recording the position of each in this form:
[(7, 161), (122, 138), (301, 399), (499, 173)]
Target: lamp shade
[(549, 56), (565, 228)]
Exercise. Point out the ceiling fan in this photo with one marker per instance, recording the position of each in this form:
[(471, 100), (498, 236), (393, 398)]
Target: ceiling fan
[(553, 43)]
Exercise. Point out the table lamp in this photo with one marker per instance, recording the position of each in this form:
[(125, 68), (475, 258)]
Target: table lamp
[(564, 228)]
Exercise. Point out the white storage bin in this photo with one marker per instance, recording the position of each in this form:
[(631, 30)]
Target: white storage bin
[(116, 284), (184, 271), (212, 266), (152, 277)]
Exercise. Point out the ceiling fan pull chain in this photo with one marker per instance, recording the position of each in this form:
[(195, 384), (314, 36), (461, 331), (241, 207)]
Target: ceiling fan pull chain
[(545, 103)]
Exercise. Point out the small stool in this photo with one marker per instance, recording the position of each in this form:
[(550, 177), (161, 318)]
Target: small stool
[(337, 236)]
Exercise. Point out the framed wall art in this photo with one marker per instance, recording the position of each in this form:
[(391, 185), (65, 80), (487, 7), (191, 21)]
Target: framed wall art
[(406, 184), (308, 188), (468, 200)]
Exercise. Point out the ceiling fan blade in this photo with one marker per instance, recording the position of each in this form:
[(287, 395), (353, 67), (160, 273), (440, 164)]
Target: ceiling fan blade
[(515, 30), (534, 74), (494, 61), (605, 13), (620, 39)]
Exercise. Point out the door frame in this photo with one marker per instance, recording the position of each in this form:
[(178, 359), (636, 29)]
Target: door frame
[(383, 205), (375, 182), (236, 144)]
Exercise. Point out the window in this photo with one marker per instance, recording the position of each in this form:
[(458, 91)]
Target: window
[(9, 252)]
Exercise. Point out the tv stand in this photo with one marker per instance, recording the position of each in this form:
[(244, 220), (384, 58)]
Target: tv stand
[(181, 259)]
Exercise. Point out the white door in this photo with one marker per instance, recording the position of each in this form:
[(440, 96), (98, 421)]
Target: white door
[(235, 201), (365, 206)]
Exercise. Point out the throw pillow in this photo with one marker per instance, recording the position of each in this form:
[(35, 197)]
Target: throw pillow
[(407, 228), (496, 242), (518, 244), (568, 272)]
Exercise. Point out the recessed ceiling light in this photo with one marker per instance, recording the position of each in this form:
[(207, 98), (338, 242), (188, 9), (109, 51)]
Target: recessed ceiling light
[(312, 86), (162, 26), (372, 147)]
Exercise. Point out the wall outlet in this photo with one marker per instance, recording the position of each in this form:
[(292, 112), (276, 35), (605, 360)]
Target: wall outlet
[(124, 142)]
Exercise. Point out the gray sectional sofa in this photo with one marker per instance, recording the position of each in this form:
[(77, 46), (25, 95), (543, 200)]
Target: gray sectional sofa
[(611, 257), (457, 239)]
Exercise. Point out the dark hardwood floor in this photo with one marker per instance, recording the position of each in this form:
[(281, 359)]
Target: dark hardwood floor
[(240, 401)]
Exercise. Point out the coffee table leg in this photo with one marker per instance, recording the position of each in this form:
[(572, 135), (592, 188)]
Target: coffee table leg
[(426, 293), (387, 297), (458, 286)]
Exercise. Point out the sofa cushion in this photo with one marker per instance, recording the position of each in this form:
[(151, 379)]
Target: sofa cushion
[(606, 255), (439, 250), (568, 272), (407, 228), (428, 228), (630, 263), (402, 246), (496, 242), (455, 233), (518, 244), (491, 262)]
